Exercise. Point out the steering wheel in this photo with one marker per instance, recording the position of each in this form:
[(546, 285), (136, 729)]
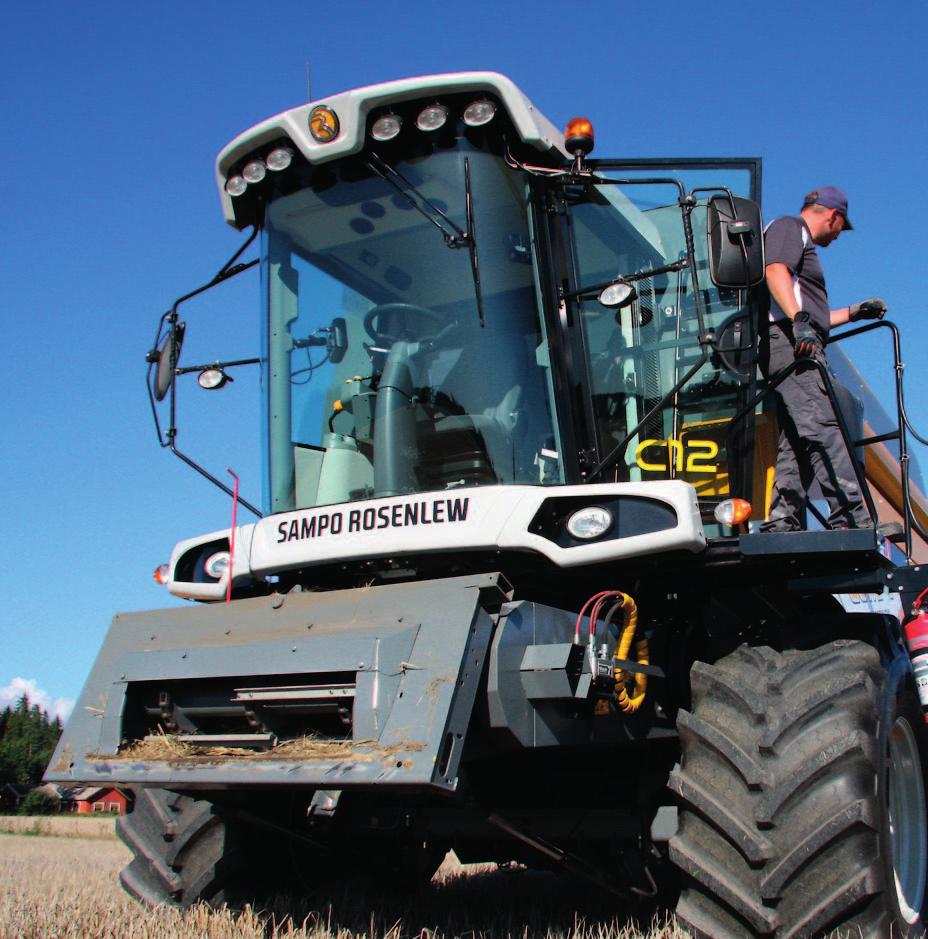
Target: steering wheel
[(397, 318)]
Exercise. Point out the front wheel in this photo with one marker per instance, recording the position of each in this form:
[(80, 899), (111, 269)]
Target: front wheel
[(802, 797)]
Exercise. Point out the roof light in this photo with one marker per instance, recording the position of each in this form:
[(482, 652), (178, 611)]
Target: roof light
[(578, 136), (162, 574), (479, 112), (279, 159), (254, 171), (432, 117), (590, 522), (386, 127), (732, 512), (323, 124), (217, 565), (235, 185)]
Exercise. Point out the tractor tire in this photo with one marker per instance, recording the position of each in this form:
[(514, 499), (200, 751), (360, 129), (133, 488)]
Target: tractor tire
[(802, 796), (184, 851)]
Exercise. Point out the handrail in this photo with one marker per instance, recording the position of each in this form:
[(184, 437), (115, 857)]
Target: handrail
[(909, 519), (776, 380)]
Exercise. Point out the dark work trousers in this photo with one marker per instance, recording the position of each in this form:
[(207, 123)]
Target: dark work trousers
[(810, 445)]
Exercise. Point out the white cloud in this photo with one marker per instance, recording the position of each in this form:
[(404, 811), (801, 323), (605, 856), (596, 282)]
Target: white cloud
[(9, 695)]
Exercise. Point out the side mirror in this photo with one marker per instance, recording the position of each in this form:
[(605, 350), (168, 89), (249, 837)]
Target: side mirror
[(337, 340), (168, 356), (736, 242)]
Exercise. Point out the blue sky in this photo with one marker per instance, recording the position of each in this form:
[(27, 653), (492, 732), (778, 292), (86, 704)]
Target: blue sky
[(112, 115)]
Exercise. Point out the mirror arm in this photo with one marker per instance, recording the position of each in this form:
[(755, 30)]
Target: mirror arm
[(199, 368), (207, 475), (687, 204)]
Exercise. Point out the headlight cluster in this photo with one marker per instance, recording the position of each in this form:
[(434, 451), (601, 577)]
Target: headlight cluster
[(433, 117), (324, 127), (256, 169)]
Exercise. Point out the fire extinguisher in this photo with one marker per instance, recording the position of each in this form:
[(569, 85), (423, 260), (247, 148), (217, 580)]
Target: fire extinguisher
[(916, 637)]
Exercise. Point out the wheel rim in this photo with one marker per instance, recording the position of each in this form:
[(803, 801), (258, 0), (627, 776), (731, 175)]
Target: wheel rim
[(908, 825)]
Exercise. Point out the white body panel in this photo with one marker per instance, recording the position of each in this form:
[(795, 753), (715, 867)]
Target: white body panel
[(352, 108), (486, 518)]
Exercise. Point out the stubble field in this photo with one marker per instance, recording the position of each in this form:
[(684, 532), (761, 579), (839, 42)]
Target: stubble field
[(58, 878)]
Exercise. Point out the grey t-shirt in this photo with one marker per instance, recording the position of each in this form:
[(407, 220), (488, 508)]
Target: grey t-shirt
[(788, 241)]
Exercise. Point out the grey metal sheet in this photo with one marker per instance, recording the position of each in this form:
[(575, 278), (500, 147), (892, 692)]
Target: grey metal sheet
[(417, 649)]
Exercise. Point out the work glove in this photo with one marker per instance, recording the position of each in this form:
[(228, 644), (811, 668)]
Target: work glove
[(806, 341), (872, 309)]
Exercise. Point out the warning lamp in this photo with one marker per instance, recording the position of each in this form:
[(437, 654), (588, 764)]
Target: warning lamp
[(386, 127), (618, 294), (432, 117), (590, 522), (279, 159), (217, 565), (323, 124), (732, 512), (212, 378), (578, 136), (254, 171), (236, 185), (162, 574), (479, 112)]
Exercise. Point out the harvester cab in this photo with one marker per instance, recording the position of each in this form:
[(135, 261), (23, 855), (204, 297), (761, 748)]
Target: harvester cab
[(514, 447), (448, 306)]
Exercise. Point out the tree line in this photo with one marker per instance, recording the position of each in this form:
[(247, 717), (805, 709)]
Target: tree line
[(27, 740)]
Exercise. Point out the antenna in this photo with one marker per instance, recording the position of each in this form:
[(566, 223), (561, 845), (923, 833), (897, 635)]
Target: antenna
[(309, 80)]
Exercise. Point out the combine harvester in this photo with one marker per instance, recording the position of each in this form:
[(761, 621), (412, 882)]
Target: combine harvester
[(504, 594)]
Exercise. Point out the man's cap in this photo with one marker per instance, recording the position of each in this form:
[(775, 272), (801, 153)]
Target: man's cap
[(832, 198)]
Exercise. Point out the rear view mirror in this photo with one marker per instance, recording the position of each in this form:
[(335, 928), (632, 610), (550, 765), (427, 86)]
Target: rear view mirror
[(168, 356), (337, 340), (736, 242)]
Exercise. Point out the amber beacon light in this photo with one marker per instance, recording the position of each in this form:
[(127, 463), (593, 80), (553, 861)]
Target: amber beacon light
[(578, 136)]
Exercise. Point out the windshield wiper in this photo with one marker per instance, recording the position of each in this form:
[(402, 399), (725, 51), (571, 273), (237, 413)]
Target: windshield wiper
[(472, 239), (456, 237)]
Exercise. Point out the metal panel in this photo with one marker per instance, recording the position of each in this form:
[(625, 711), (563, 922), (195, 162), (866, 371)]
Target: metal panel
[(417, 649)]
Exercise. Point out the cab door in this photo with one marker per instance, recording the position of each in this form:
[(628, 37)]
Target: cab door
[(665, 372)]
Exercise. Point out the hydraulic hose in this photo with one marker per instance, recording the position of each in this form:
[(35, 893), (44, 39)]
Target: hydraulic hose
[(625, 702), (630, 688)]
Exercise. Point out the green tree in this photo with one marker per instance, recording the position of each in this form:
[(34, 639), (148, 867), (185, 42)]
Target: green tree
[(38, 803), (27, 740)]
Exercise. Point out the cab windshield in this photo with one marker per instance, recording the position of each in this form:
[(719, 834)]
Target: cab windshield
[(381, 378)]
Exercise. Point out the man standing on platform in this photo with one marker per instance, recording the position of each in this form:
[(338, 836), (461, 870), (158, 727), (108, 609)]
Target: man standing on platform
[(810, 445)]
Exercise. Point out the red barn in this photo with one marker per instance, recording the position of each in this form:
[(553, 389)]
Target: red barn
[(93, 800)]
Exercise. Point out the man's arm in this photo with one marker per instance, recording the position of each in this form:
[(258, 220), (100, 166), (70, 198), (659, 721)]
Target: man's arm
[(840, 317)]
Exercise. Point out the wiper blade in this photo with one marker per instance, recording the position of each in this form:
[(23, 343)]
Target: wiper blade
[(454, 235), (471, 236), (456, 238)]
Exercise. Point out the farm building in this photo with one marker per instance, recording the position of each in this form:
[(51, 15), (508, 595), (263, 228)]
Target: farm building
[(87, 801)]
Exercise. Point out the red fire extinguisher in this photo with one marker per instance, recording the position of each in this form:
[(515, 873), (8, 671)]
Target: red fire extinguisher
[(916, 637)]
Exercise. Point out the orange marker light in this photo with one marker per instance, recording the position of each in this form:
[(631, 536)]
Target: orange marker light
[(732, 512), (161, 574), (578, 136)]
